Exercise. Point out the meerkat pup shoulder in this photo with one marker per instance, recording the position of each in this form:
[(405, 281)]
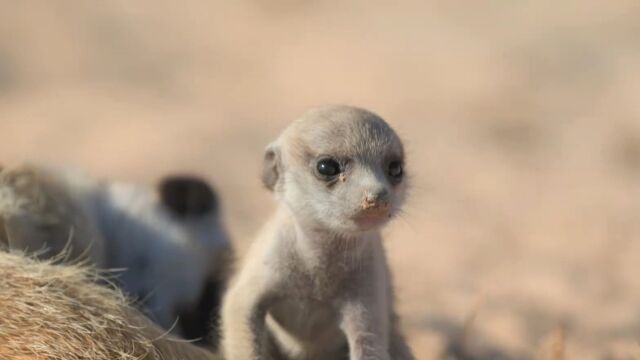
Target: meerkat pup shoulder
[(316, 284)]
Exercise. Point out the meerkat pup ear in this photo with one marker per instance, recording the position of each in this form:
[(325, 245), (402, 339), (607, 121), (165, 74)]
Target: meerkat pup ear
[(271, 166), (187, 195)]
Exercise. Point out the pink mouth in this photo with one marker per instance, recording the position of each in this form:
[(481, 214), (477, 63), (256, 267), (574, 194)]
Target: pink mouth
[(370, 218)]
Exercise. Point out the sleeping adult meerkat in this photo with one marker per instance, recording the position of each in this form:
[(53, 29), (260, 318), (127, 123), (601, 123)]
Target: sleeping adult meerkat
[(53, 312), (316, 284), (174, 247), (169, 244)]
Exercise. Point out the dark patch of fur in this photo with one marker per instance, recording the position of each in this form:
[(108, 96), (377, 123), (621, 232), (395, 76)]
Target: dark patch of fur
[(201, 321), (188, 195)]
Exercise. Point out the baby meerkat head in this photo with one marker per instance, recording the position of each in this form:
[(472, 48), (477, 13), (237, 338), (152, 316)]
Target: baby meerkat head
[(338, 167)]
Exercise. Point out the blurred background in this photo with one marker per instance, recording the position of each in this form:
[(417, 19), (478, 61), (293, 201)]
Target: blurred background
[(521, 121)]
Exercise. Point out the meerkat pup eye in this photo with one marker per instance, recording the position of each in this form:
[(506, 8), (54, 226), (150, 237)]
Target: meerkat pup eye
[(395, 169), (328, 168)]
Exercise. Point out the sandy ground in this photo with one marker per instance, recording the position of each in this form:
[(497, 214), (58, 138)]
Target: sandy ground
[(521, 119)]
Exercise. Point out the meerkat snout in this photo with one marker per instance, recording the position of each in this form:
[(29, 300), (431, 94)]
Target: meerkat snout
[(376, 199), (375, 209)]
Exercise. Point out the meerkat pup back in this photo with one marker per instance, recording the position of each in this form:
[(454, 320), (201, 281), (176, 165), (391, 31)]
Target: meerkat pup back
[(315, 284)]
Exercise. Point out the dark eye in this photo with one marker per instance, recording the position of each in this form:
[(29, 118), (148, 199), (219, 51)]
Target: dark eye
[(328, 167), (395, 169)]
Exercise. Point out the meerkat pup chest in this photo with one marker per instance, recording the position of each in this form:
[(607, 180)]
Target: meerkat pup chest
[(311, 291), (306, 320)]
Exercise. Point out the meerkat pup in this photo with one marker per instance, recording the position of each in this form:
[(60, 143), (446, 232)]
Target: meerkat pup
[(316, 284)]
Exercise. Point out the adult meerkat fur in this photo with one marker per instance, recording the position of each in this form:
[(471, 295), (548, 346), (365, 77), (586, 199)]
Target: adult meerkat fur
[(150, 235), (316, 284), (53, 312), (175, 248), (40, 215)]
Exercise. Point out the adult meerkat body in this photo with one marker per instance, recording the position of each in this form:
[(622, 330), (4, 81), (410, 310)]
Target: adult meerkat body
[(315, 284), (53, 312), (149, 236)]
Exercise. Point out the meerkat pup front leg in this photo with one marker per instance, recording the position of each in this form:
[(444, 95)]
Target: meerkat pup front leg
[(244, 318), (365, 329), (315, 284)]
